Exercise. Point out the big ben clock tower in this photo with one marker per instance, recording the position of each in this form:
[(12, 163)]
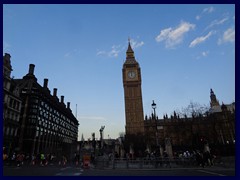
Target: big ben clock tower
[(132, 94)]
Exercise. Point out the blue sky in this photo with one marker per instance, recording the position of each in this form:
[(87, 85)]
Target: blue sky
[(183, 51)]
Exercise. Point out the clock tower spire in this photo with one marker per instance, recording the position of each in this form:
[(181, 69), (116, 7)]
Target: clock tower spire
[(130, 53), (131, 73)]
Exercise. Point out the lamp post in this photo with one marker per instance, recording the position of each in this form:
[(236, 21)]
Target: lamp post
[(154, 106), (101, 135), (94, 144)]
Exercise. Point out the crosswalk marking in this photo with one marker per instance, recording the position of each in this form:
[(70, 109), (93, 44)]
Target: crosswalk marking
[(77, 174), (213, 173), (63, 169), (65, 173)]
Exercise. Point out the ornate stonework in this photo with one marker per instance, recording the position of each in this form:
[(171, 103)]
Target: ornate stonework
[(132, 94)]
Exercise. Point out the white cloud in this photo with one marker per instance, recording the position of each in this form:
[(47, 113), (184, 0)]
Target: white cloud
[(175, 36), (217, 22), (117, 49), (101, 52), (201, 39), (136, 44), (205, 53), (208, 10), (228, 36), (198, 17), (163, 35), (71, 53), (114, 52)]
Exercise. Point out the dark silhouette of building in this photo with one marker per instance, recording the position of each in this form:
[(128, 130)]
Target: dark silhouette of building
[(216, 128), (11, 107), (46, 125)]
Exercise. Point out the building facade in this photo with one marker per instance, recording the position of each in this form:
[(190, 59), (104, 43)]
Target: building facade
[(216, 128), (11, 107), (131, 73), (45, 124)]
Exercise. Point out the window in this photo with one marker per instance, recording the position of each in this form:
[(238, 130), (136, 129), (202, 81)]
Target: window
[(12, 130), (14, 104), (16, 131), (37, 133), (7, 131), (8, 85), (5, 98)]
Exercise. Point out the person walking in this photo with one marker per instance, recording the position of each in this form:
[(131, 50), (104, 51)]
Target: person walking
[(42, 157)]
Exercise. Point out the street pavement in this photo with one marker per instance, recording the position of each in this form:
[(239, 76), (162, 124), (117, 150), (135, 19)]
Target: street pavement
[(78, 171)]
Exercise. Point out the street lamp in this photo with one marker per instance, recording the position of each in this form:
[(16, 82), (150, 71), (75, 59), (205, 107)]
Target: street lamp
[(154, 106), (101, 135)]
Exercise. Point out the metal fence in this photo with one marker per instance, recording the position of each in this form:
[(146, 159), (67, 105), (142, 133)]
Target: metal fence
[(144, 163), (159, 163)]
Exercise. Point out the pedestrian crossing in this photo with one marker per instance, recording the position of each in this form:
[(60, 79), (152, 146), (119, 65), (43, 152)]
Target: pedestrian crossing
[(70, 171)]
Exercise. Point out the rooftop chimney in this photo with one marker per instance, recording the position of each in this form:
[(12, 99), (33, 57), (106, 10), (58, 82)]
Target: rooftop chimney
[(7, 62), (68, 105), (45, 85), (31, 69), (7, 56), (54, 92), (62, 99)]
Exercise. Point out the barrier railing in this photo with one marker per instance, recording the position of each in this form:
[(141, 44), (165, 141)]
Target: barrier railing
[(145, 163)]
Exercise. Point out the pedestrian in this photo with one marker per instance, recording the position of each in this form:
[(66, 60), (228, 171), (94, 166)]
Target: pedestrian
[(199, 159), (19, 159), (64, 160), (13, 159), (76, 159), (5, 158), (33, 159), (42, 158)]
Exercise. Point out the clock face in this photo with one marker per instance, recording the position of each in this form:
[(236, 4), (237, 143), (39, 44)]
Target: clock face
[(131, 74)]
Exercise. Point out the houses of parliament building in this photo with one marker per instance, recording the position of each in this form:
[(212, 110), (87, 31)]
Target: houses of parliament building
[(216, 127)]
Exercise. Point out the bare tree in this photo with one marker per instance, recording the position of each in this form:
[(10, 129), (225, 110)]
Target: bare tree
[(194, 109)]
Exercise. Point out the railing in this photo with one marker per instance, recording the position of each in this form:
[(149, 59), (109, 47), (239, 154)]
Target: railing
[(141, 163), (158, 163), (145, 163)]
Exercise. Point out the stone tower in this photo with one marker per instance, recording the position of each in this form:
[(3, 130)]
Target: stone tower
[(214, 101), (131, 73)]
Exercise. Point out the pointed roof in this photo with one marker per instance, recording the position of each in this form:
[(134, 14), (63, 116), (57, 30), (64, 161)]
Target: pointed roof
[(130, 59), (214, 101), (130, 52)]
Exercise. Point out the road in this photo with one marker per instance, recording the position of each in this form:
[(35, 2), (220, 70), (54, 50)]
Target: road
[(77, 171)]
